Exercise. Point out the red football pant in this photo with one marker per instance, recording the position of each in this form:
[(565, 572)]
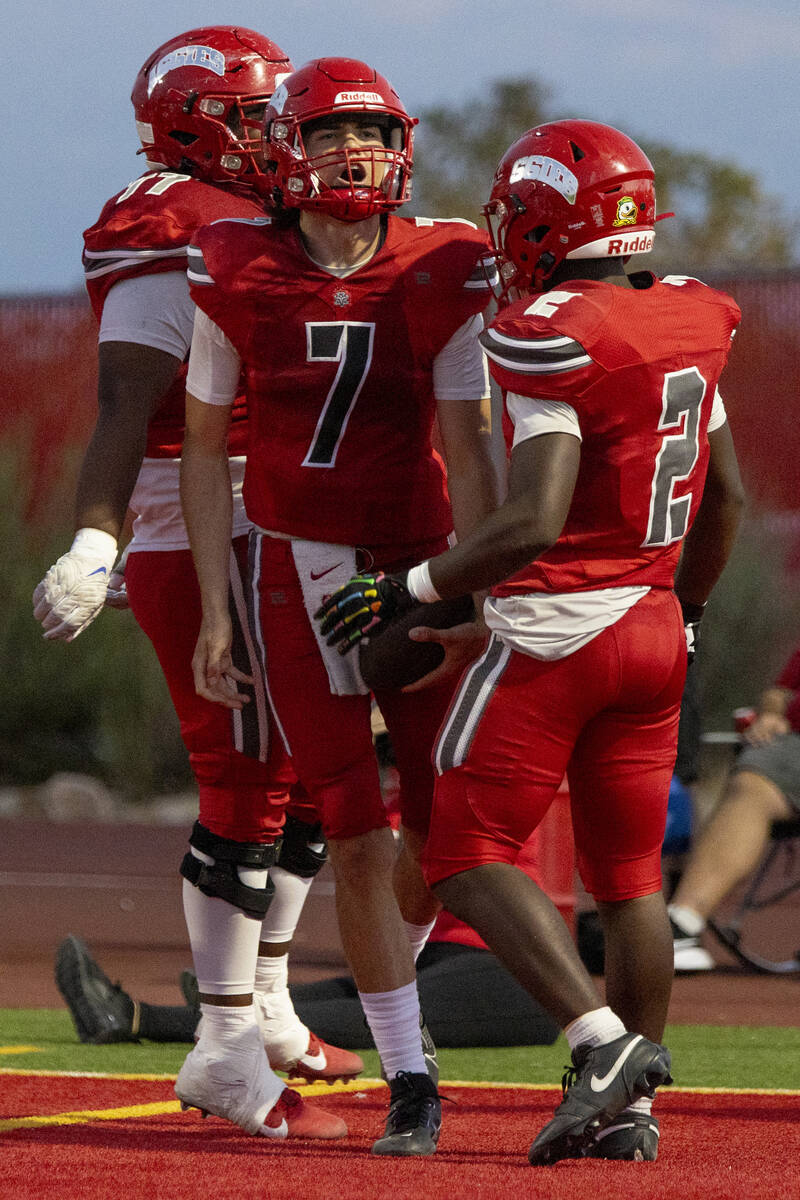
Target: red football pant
[(243, 782), (607, 716), (329, 737)]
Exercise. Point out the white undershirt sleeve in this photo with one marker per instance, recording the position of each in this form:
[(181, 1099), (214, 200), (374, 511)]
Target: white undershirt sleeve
[(718, 415), (214, 364), (531, 418), (150, 310), (459, 369)]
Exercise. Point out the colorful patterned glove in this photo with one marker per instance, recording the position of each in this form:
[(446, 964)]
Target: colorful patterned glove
[(362, 607)]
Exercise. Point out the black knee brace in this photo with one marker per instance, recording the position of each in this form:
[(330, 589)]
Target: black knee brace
[(296, 855), (221, 878)]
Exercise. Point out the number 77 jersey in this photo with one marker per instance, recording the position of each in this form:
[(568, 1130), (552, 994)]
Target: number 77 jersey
[(341, 372), (639, 368)]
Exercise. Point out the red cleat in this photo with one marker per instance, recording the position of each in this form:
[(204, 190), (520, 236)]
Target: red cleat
[(302, 1119), (321, 1062)]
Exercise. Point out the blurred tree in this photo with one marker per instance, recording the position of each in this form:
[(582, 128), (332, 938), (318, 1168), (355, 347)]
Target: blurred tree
[(725, 220)]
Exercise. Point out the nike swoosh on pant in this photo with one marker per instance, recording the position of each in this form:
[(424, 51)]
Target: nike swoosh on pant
[(315, 575), (599, 1084)]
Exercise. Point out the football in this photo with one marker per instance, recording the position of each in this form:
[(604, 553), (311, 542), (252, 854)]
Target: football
[(392, 660)]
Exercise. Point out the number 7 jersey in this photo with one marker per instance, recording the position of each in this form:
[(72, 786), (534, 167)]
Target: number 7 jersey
[(340, 373), (639, 366)]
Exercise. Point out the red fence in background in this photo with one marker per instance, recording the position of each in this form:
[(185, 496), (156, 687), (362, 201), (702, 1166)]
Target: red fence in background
[(47, 398)]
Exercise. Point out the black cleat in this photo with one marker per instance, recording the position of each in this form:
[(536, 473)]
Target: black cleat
[(429, 1052), (189, 989), (601, 1083), (631, 1137), (415, 1116), (101, 1010)]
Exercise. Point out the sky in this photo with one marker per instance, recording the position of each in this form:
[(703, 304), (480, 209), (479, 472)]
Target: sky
[(721, 79)]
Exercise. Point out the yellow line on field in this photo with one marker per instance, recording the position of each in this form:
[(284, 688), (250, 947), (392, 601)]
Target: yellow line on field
[(368, 1084), (20, 1049), (91, 1114)]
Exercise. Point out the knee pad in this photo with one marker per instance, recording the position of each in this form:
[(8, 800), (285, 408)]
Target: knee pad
[(221, 878), (296, 854)]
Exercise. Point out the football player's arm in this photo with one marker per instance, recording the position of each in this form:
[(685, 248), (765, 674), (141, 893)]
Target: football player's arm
[(208, 508), (541, 481), (709, 542), (473, 477), (133, 376)]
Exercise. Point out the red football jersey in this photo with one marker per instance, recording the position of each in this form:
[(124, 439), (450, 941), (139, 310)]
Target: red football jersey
[(143, 230), (339, 373), (640, 367)]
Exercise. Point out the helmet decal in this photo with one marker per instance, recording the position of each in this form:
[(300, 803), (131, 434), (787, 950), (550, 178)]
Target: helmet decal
[(186, 56), (549, 171), (626, 211)]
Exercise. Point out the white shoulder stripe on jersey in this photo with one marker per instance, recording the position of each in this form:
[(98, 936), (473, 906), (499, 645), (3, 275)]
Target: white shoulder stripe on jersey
[(197, 271), (102, 262), (540, 356)]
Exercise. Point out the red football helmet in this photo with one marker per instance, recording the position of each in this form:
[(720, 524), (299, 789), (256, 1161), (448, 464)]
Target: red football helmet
[(199, 101), (333, 87), (569, 189)]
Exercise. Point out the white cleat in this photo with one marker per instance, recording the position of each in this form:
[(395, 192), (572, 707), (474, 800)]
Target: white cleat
[(235, 1083)]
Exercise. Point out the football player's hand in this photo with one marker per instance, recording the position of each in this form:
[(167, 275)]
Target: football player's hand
[(462, 645), (765, 728), (215, 676), (692, 616), (361, 607), (117, 593), (73, 591)]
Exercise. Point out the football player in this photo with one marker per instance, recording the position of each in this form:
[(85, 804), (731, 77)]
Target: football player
[(355, 329), (621, 460), (199, 103)]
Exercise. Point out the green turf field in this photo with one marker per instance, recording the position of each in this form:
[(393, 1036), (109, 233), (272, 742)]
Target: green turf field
[(726, 1056)]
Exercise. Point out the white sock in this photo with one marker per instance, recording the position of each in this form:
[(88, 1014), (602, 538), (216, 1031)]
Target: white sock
[(687, 920), (224, 943), (418, 936), (281, 1028), (223, 1027), (393, 1018), (594, 1028)]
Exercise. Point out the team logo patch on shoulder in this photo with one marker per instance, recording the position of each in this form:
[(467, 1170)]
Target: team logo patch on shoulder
[(186, 56), (542, 169), (626, 212)]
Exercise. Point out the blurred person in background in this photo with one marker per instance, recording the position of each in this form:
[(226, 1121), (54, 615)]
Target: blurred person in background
[(763, 787)]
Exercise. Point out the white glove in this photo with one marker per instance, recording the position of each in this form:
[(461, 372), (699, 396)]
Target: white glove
[(73, 591), (117, 592)]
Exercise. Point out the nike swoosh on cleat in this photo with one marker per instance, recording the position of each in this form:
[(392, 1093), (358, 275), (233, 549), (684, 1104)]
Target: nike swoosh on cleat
[(314, 1062), (600, 1084), (315, 575)]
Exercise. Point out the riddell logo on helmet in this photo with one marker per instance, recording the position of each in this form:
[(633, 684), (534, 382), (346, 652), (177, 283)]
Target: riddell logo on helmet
[(630, 245), (358, 98)]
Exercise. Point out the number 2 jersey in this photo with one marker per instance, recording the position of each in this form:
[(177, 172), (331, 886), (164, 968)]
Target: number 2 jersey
[(638, 368), (339, 372)]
